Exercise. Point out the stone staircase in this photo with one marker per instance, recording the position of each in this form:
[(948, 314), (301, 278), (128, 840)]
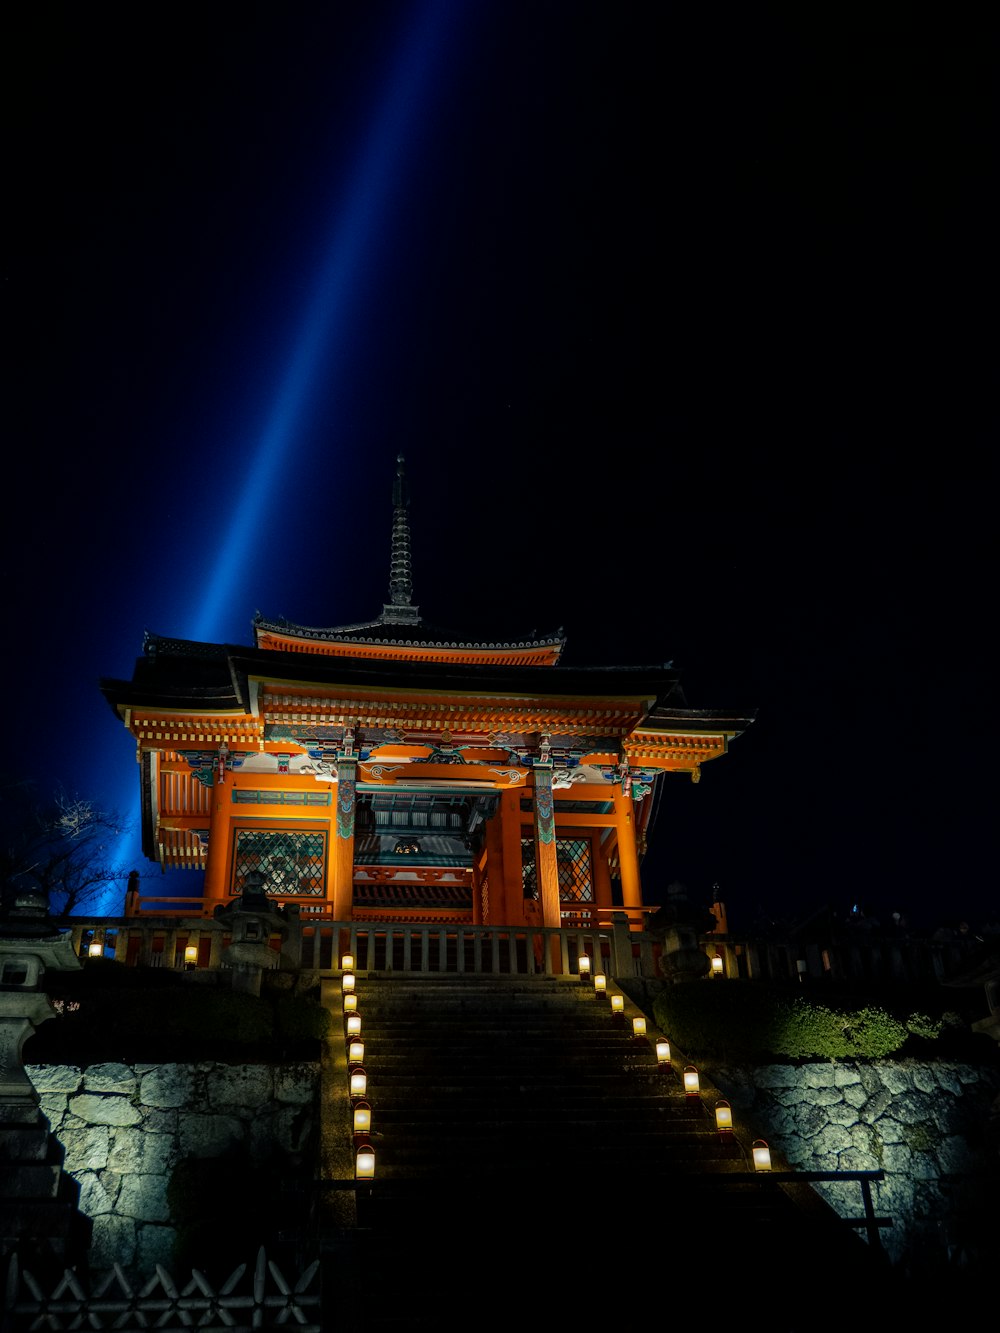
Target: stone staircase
[(533, 1157)]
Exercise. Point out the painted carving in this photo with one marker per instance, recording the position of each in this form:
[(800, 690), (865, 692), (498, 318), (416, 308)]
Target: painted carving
[(210, 766), (545, 824), (378, 771), (635, 782), (346, 783), (445, 755)]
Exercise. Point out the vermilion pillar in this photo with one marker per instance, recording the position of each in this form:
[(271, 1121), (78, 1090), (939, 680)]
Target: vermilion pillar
[(220, 810), (343, 856), (507, 909), (602, 880), (627, 859), (545, 855), (493, 909)]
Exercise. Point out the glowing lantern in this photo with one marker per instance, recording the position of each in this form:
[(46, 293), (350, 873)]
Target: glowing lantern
[(364, 1167), (761, 1155), (362, 1119)]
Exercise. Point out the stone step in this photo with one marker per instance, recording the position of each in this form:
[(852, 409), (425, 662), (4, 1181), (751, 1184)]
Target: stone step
[(533, 1156)]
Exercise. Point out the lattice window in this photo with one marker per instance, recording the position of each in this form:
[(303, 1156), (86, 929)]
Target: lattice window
[(291, 862), (576, 881), (529, 871)]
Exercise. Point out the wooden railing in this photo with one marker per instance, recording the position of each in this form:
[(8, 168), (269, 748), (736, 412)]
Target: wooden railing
[(317, 944), (874, 958)]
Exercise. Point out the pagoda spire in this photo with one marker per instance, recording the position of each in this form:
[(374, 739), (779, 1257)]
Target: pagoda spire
[(399, 609)]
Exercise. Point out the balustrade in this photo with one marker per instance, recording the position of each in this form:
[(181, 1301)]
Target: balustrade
[(177, 942)]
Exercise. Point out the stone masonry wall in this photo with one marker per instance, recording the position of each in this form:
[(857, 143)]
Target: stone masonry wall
[(124, 1128), (934, 1129)]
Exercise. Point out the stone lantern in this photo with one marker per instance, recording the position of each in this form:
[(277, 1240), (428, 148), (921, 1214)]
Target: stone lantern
[(679, 925), (252, 919), (30, 944), (37, 1199)]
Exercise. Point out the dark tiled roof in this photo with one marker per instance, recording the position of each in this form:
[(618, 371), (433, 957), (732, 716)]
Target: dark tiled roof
[(416, 634), (180, 673)]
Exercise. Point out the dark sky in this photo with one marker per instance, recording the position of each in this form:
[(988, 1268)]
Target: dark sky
[(685, 323)]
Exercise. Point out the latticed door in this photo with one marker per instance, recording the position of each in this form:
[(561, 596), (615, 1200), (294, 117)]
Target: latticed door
[(576, 878), (291, 862)]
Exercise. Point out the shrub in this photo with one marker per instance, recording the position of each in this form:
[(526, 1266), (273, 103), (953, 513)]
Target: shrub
[(921, 1025), (756, 1022)]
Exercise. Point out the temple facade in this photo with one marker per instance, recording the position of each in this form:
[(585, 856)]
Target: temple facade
[(390, 770)]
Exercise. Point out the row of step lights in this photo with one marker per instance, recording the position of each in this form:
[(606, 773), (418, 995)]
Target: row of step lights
[(759, 1151), (364, 1153)]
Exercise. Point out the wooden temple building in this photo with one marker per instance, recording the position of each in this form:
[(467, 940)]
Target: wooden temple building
[(389, 771)]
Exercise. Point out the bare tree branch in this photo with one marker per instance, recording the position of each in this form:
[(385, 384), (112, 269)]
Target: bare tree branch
[(65, 847)]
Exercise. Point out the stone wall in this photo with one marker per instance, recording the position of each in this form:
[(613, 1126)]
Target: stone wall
[(934, 1129), (124, 1128)]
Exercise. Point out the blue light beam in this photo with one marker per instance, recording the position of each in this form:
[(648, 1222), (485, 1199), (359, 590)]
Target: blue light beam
[(384, 161), (321, 348)]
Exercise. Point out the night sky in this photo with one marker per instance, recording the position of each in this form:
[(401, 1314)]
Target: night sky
[(685, 323)]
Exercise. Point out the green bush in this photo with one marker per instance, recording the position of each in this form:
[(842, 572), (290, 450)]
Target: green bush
[(756, 1023), (921, 1025)]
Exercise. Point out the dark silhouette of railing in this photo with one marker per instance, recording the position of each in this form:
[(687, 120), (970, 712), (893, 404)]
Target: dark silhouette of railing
[(316, 944)]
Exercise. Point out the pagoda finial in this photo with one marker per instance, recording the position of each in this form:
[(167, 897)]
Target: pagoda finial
[(400, 580)]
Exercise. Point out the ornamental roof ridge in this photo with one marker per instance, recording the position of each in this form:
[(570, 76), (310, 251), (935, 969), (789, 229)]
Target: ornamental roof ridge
[(429, 636), (167, 643)]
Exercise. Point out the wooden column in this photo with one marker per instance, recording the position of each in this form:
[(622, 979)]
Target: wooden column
[(627, 858), (343, 854), (602, 877), (508, 905), (545, 855), (216, 887), (495, 908)]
